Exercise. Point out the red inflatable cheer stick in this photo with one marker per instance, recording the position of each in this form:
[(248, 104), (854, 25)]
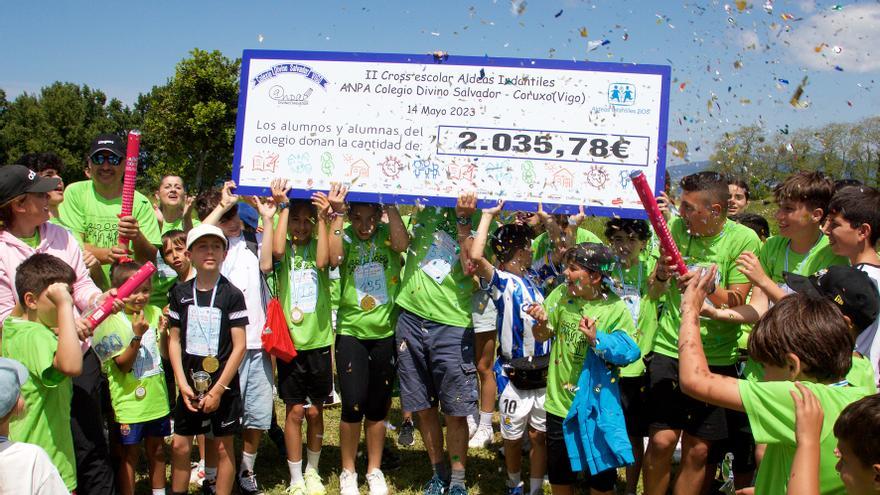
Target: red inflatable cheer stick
[(657, 220), (100, 313), (131, 166)]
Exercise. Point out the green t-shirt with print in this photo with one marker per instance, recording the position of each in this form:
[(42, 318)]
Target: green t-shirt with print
[(165, 276), (570, 347), (719, 338), (776, 257), (771, 413), (371, 272), (302, 286), (146, 374), (631, 285), (95, 219), (47, 394), (541, 244), (434, 285)]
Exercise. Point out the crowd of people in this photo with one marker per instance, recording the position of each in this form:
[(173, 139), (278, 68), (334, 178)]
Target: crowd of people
[(760, 363)]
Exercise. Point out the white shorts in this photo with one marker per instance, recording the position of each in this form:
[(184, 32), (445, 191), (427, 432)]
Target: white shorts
[(519, 408), (483, 312)]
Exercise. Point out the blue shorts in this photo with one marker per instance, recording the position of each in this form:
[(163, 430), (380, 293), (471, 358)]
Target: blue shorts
[(135, 433), (435, 363), (255, 382)]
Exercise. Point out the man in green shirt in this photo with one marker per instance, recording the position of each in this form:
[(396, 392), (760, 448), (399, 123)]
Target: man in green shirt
[(705, 237), (802, 339), (91, 208)]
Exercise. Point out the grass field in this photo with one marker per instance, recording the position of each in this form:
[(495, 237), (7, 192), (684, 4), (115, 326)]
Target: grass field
[(485, 469)]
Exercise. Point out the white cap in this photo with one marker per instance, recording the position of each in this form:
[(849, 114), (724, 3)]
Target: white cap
[(203, 230)]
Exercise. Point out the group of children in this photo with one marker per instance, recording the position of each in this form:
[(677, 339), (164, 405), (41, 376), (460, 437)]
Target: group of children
[(591, 347)]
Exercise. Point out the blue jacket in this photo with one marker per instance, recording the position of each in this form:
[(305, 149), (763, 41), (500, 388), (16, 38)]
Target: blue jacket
[(594, 430)]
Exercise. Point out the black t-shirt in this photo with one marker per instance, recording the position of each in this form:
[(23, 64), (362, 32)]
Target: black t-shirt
[(233, 313)]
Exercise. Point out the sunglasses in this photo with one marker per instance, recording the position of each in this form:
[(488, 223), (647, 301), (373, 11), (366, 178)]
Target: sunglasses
[(99, 159)]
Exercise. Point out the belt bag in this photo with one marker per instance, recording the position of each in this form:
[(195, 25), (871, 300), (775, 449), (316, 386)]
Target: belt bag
[(528, 373)]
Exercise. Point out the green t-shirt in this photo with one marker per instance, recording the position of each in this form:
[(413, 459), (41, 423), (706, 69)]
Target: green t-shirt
[(371, 272), (719, 338), (311, 296), (32, 241), (146, 372), (165, 276), (861, 373), (434, 285), (569, 349), (633, 290), (95, 219), (47, 394), (541, 244), (775, 258), (771, 413)]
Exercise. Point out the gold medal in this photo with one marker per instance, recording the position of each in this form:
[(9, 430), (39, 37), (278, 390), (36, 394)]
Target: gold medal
[(296, 315), (210, 364), (368, 303), (140, 392)]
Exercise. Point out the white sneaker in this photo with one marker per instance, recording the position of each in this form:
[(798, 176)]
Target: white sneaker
[(482, 438), (376, 480), (314, 485), (348, 483), (472, 426)]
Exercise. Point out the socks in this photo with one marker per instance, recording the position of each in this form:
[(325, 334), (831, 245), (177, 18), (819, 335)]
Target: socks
[(441, 471), (457, 478), (211, 474), (513, 479), (485, 419), (313, 458), (158, 491), (296, 471), (536, 486), (247, 462)]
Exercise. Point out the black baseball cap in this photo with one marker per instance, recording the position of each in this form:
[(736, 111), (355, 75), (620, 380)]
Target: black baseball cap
[(854, 292), (592, 256), (16, 180), (108, 142)]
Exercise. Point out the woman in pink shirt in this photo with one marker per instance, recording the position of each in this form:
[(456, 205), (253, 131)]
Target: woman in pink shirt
[(25, 230)]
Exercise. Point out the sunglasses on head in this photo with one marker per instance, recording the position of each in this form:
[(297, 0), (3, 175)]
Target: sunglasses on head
[(99, 159)]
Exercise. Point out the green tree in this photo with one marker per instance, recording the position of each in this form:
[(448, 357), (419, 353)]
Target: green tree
[(63, 118), (189, 123)]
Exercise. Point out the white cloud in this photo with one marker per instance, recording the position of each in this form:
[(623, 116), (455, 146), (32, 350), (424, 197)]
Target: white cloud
[(749, 40), (807, 6), (853, 29)]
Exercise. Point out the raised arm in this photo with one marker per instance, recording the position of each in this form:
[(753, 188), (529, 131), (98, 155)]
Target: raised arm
[(266, 207), (282, 206), (228, 199), (322, 254), (465, 208), (397, 230), (484, 268), (336, 198)]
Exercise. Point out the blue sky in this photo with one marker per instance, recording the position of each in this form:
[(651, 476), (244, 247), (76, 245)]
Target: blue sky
[(715, 49)]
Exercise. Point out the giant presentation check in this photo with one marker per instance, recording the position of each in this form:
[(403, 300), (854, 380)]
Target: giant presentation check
[(425, 128)]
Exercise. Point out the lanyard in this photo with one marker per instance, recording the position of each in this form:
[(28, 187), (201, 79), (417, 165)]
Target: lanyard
[(198, 314), (370, 255), (295, 289), (623, 280), (841, 383), (797, 269)]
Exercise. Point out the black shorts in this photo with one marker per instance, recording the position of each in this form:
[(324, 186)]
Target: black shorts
[(225, 421), (306, 378), (671, 409), (739, 442), (366, 369), (634, 401), (559, 466)]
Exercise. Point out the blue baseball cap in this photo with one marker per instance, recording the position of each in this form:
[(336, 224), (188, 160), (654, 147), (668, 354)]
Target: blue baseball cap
[(12, 376), (248, 214)]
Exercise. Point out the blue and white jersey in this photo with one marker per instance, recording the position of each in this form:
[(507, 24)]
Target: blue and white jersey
[(512, 295)]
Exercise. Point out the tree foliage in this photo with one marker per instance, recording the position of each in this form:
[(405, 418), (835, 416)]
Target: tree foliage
[(62, 118), (189, 123)]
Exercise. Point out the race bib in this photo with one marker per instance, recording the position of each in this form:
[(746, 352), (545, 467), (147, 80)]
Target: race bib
[(441, 257), (369, 280), (304, 289), (148, 362), (203, 331), (112, 337), (633, 301), (695, 266)]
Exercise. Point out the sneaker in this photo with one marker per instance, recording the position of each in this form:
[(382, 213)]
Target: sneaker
[(348, 483), (197, 473), (298, 488), (517, 490), (435, 486), (314, 485), (482, 438), (209, 488), (376, 480), (457, 490), (406, 434), (247, 483), (390, 460), (472, 425)]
